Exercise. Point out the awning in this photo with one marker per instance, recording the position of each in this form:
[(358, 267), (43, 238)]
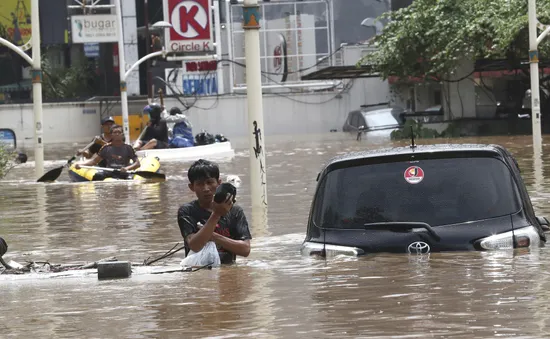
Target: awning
[(487, 67), (341, 72), (23, 85)]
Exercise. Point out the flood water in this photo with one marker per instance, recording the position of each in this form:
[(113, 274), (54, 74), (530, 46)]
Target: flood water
[(275, 292)]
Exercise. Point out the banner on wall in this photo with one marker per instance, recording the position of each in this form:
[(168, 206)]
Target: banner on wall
[(15, 21)]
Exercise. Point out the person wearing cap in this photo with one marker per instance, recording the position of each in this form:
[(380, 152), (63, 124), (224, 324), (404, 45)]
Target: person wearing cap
[(180, 133), (117, 155), (156, 135), (99, 140)]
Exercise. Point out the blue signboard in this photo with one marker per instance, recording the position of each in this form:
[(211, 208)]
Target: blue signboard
[(91, 50), (200, 84)]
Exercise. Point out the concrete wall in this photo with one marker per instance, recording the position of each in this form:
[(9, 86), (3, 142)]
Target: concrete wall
[(296, 113), (63, 122), (459, 96)]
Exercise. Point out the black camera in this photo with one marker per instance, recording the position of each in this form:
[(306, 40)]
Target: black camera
[(223, 190)]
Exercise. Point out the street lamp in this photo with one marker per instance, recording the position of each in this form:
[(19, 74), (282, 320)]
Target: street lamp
[(371, 22), (122, 67), (35, 62)]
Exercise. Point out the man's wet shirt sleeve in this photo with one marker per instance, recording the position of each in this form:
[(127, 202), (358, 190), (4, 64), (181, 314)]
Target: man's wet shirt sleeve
[(241, 225), (187, 224)]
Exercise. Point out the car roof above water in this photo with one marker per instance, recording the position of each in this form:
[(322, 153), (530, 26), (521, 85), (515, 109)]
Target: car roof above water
[(417, 150)]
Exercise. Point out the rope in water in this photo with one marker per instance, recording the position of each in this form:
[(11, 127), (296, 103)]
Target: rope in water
[(169, 253)]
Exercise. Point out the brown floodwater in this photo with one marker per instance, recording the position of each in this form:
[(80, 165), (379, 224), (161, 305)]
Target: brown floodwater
[(275, 292)]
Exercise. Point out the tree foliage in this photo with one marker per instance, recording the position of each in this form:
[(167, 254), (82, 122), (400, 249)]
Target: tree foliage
[(431, 37), (67, 82), (6, 161)]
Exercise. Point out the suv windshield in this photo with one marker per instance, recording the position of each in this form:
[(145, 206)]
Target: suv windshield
[(435, 191)]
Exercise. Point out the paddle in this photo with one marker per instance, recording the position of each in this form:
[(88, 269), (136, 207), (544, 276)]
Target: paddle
[(145, 174), (53, 174)]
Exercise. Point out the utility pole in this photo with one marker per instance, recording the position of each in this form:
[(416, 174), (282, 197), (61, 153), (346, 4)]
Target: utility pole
[(534, 64), (147, 51), (258, 170)]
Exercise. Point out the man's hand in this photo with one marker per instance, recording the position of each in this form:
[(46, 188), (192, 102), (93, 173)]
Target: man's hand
[(224, 207), (123, 170), (77, 166)]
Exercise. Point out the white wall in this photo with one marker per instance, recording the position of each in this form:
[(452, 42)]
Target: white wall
[(289, 114), (63, 122), (459, 98)]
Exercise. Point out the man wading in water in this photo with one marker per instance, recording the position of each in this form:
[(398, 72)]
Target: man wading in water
[(225, 224), (116, 155)]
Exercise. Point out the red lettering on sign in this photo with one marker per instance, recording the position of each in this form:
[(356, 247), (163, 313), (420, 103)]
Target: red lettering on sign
[(201, 66), (188, 19)]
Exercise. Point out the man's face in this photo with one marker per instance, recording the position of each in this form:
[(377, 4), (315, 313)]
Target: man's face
[(205, 188), (117, 135), (107, 127)]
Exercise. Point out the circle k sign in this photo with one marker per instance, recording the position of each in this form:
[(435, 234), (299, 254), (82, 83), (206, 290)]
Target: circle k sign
[(191, 25)]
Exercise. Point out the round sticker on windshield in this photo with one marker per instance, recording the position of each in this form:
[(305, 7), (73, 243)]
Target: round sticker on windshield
[(414, 175)]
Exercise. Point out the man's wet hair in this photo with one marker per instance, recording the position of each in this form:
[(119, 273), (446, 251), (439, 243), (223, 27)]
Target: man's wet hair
[(203, 169)]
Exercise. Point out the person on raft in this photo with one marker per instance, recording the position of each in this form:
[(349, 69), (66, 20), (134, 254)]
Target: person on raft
[(116, 154), (156, 135), (99, 140)]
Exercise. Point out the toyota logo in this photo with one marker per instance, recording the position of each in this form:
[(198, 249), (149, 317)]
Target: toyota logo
[(418, 247)]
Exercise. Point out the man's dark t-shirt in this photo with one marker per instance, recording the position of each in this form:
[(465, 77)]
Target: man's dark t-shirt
[(96, 146), (117, 156), (233, 225), (158, 131)]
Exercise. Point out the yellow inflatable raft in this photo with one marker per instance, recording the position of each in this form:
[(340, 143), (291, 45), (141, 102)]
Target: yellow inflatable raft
[(148, 164)]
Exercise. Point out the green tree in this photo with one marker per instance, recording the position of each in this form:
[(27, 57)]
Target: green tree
[(430, 38), (67, 82), (6, 161)]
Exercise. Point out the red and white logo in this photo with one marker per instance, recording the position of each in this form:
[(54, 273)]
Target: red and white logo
[(278, 60), (414, 175), (191, 25)]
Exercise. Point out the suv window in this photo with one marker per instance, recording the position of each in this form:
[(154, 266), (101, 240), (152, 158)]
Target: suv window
[(355, 119), (7, 139), (451, 190), (381, 118)]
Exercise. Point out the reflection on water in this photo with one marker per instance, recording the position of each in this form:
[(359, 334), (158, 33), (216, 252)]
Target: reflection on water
[(273, 293)]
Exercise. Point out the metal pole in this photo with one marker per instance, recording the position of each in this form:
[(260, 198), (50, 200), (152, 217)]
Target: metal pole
[(258, 187), (332, 41), (219, 48), (122, 71), (147, 51), (535, 91), (37, 90), (230, 47)]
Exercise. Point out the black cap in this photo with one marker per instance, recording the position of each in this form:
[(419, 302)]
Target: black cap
[(107, 119)]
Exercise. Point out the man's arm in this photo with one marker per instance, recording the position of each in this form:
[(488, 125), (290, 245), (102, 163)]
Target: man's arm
[(90, 162), (205, 234), (241, 245), (238, 247), (136, 164), (196, 241)]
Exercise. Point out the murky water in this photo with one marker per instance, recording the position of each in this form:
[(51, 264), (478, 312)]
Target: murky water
[(275, 292)]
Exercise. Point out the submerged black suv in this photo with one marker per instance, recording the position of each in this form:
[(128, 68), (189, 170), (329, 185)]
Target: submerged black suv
[(422, 199)]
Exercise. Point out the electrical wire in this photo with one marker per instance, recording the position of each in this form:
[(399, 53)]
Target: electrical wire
[(172, 76)]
